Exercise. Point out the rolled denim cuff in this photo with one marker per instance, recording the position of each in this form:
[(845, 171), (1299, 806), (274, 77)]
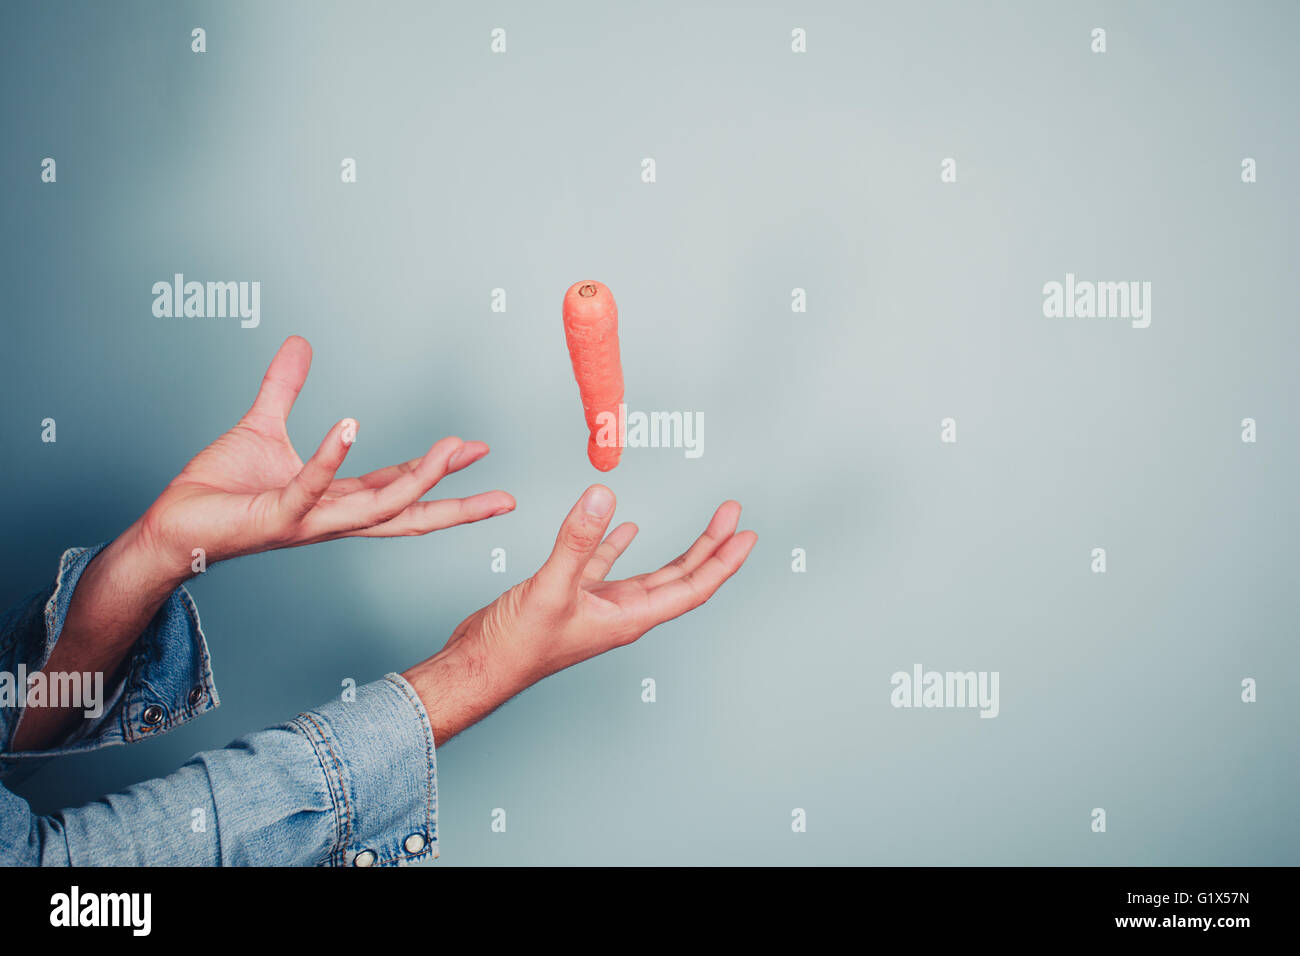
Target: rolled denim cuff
[(377, 755), (168, 679)]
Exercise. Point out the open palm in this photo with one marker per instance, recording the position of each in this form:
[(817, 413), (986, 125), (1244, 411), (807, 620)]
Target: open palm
[(636, 604), (249, 490), (568, 612)]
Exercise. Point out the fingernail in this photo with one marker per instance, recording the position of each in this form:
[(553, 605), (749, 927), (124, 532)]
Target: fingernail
[(349, 434), (456, 457), (597, 501)]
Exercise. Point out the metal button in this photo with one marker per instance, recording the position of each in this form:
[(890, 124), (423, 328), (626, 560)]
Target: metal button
[(196, 695), (364, 858), (414, 843), (153, 714)]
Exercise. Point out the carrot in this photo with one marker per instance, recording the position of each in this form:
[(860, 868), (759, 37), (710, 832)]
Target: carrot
[(591, 332)]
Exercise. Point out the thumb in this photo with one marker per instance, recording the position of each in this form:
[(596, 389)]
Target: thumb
[(302, 492), (579, 537)]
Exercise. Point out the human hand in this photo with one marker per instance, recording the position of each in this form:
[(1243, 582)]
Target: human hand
[(249, 491), (568, 612)]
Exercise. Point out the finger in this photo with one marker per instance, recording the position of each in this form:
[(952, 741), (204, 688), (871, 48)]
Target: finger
[(283, 379), (695, 587), (425, 516), (610, 549), (302, 492), (372, 506), (721, 527), (472, 452), (579, 537), (372, 479)]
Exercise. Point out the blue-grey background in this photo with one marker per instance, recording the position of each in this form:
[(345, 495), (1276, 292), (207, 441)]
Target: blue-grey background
[(775, 171)]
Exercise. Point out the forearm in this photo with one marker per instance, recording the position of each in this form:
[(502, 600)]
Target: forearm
[(116, 597), (460, 685), (453, 696)]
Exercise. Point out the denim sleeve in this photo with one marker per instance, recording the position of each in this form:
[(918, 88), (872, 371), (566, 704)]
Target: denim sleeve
[(351, 783), (168, 676)]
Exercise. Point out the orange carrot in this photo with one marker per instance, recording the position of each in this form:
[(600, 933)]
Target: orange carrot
[(591, 331)]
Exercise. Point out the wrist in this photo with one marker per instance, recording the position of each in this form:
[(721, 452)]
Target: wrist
[(137, 559), (457, 688), (116, 595)]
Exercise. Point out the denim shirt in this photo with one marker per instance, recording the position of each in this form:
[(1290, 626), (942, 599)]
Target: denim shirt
[(351, 783)]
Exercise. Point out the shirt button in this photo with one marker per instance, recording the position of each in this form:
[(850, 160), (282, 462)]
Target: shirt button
[(414, 843), (153, 714), (364, 858), (196, 695)]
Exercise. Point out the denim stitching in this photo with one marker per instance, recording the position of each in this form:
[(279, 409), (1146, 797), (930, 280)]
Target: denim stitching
[(298, 725), (201, 646), (343, 790), (429, 820), (179, 714)]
